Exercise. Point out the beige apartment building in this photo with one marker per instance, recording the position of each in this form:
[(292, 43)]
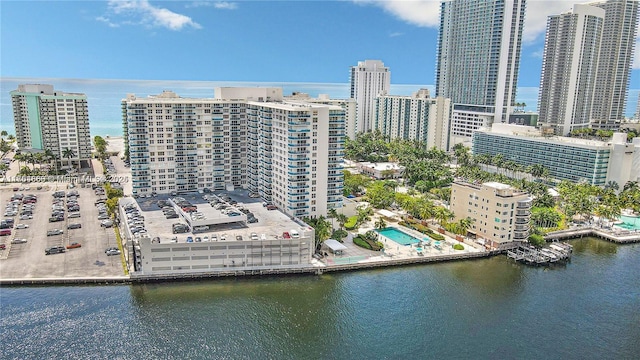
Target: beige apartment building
[(500, 213)]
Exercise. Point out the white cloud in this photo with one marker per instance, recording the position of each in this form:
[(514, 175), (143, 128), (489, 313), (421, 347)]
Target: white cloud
[(423, 13), (426, 13), (223, 5), (141, 12), (395, 34), (107, 21)]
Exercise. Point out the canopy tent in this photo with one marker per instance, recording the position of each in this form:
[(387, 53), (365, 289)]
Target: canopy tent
[(334, 246)]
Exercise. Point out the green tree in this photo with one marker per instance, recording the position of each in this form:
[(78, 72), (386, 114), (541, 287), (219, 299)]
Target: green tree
[(443, 215), (364, 214), (380, 224), (68, 153), (322, 229), (379, 195)]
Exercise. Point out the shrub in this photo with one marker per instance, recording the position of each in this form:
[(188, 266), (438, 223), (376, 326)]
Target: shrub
[(536, 240), (458, 247), (437, 237), (351, 223), (339, 235), (360, 242)]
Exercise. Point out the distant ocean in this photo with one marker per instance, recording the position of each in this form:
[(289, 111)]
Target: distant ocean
[(104, 96)]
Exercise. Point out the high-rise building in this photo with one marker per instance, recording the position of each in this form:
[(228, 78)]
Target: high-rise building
[(417, 117), (288, 152), (369, 79), (46, 119), (569, 68), (478, 60), (348, 105), (587, 65), (615, 62), (500, 214)]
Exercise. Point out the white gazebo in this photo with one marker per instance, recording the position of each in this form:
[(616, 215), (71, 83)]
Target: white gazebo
[(334, 246)]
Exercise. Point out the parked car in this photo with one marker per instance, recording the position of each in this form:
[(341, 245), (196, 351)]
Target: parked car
[(74, 226), (55, 232), (74, 215), (106, 223), (254, 236), (74, 245), (22, 226), (54, 250), (272, 207), (18, 241), (113, 252)]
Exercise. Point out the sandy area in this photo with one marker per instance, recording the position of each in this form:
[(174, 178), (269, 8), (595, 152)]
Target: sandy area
[(115, 143)]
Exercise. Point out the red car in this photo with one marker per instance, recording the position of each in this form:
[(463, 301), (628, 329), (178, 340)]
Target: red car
[(74, 245), (3, 246), (286, 235)]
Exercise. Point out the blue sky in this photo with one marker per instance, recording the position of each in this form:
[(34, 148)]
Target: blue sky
[(289, 41)]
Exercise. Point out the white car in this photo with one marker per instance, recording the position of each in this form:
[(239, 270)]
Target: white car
[(22, 226), (205, 239), (18, 241), (111, 252), (26, 217)]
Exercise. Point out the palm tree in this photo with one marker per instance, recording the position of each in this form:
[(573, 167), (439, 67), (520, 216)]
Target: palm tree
[(464, 225), (443, 215), (612, 185), (68, 153), (342, 219), (364, 214), (380, 224)]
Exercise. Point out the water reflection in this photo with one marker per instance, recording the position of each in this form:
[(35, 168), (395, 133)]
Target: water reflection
[(594, 246)]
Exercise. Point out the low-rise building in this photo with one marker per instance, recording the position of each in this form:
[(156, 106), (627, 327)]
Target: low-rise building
[(566, 158), (381, 170), (500, 214)]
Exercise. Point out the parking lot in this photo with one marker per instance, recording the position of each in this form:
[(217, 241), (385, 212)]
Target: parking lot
[(28, 259), (271, 224)]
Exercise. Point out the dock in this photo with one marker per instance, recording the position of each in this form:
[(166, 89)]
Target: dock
[(555, 252), (615, 236)]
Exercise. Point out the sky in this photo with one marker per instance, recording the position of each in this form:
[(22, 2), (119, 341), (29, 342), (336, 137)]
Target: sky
[(289, 41)]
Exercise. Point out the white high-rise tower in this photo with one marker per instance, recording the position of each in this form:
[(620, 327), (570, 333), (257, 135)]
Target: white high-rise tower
[(368, 80), (615, 62), (569, 67), (478, 59), (55, 121)]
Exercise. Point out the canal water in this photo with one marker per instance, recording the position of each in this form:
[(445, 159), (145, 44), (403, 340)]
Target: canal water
[(489, 308)]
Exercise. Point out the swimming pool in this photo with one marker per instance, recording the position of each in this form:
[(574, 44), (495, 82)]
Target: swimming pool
[(398, 236), (629, 222)]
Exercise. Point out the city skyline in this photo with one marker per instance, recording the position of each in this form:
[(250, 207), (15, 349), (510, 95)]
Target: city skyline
[(219, 40)]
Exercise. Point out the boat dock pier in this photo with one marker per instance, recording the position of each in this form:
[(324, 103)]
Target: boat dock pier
[(532, 256), (617, 236)]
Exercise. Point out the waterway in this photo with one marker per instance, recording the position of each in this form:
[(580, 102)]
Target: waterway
[(490, 308)]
